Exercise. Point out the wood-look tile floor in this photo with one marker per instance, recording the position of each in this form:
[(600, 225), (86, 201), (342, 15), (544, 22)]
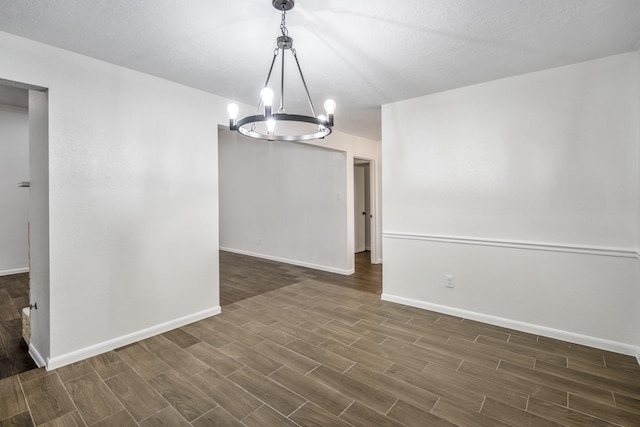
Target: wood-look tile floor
[(14, 353), (315, 353), (243, 276)]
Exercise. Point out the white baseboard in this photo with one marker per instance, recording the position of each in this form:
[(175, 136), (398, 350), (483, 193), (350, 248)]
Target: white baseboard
[(94, 350), (600, 343), (36, 356), (14, 271), (344, 272)]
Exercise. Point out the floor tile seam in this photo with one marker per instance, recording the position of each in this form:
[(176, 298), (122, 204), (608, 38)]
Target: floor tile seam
[(276, 382), (248, 415), (390, 407), (435, 404), (169, 404), (616, 375), (613, 407), (287, 388), (26, 402), (564, 390), (201, 416), (500, 387), (267, 404), (361, 353), (536, 356), (352, 365), (102, 380), (561, 387), (497, 382), (146, 381), (171, 368), (233, 340), (358, 381), (316, 361), (572, 410), (347, 408), (484, 399), (324, 383), (391, 326), (64, 386), (594, 382), (298, 424), (153, 415), (571, 354)]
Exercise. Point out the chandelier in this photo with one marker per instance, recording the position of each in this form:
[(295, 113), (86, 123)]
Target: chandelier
[(279, 125)]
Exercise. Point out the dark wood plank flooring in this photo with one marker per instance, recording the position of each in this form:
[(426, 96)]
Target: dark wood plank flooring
[(14, 353), (243, 276), (319, 351)]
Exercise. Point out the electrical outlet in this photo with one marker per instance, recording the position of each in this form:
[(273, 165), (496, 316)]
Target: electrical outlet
[(448, 281)]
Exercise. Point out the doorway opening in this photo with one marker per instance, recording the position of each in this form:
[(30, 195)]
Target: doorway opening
[(363, 210), (24, 242), (14, 251)]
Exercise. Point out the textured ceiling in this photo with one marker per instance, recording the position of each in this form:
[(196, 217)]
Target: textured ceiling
[(362, 53)]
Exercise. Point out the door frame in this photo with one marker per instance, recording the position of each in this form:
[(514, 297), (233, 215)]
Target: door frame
[(360, 211), (374, 206), (39, 245)]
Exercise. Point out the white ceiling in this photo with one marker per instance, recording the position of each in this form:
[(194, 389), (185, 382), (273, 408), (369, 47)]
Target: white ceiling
[(362, 53)]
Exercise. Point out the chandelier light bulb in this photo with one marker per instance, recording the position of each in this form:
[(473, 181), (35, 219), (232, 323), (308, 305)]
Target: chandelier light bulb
[(232, 109), (330, 106), (267, 96), (322, 118)]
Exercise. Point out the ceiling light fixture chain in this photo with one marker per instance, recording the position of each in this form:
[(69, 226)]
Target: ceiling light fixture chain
[(263, 126), (283, 24)]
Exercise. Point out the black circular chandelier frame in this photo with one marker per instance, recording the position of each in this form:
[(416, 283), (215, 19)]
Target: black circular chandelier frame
[(253, 126)]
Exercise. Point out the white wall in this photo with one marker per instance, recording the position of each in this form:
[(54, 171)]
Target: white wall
[(133, 204), (638, 217), (526, 190), (285, 195), (283, 201), (362, 148), (14, 201), (39, 274)]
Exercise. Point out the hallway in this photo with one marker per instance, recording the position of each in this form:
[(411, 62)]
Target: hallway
[(14, 296)]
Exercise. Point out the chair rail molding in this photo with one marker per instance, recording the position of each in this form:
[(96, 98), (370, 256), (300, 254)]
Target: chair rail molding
[(518, 244)]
